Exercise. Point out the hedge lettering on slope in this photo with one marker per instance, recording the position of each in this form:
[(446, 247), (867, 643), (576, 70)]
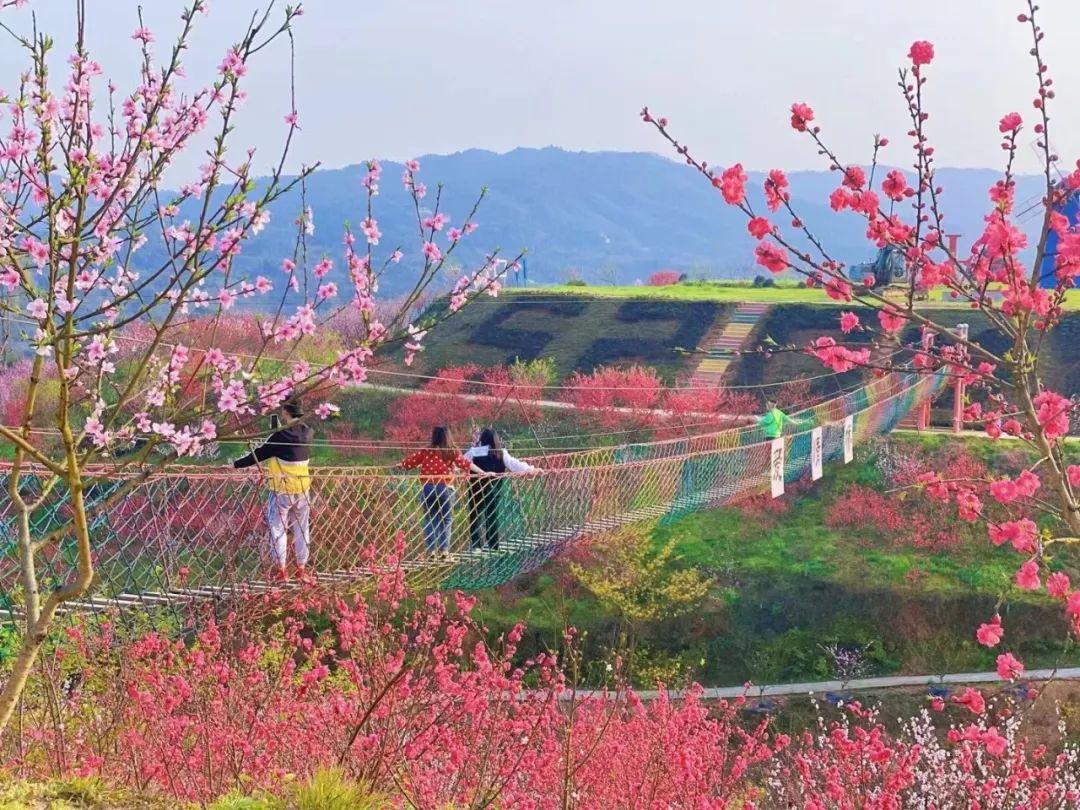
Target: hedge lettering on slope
[(693, 320), (522, 344)]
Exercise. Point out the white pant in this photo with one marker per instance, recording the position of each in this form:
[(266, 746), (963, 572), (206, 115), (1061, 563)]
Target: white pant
[(284, 511)]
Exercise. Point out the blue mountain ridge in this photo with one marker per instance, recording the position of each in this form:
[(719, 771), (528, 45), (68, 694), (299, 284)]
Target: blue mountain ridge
[(603, 216)]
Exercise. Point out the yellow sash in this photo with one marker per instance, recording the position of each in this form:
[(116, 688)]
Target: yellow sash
[(288, 477)]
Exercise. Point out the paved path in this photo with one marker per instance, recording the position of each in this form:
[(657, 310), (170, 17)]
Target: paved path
[(889, 682), (968, 434)]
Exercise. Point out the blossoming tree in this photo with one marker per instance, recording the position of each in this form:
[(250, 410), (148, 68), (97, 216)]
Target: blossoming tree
[(103, 270), (1019, 289)]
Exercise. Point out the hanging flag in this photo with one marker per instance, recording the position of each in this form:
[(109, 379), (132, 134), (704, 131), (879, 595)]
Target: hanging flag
[(776, 471), (849, 439), (817, 442)]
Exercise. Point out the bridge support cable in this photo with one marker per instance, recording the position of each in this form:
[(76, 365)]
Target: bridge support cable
[(185, 535)]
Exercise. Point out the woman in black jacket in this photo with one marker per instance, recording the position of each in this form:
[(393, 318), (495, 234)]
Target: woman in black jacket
[(485, 493), (286, 454)]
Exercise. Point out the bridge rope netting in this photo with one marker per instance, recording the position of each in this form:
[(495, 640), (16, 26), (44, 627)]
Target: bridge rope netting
[(187, 534)]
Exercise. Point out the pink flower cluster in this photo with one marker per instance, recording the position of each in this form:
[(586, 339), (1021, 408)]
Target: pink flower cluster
[(838, 358), (732, 184), (403, 694)]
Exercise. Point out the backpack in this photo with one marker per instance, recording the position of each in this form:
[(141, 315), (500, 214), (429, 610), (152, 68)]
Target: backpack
[(491, 461)]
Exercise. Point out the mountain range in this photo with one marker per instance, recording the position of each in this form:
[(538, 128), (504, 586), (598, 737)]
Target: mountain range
[(611, 217)]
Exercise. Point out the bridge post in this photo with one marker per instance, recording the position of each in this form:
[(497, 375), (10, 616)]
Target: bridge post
[(961, 331), (923, 414)]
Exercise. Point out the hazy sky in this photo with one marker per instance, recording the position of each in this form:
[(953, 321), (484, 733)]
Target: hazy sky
[(397, 78)]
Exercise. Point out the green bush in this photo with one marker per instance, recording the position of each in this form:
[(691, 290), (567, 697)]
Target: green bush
[(328, 789), (331, 790), (74, 792), (239, 802)]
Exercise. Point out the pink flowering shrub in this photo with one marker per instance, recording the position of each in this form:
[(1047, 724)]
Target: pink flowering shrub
[(612, 398), (900, 521), (635, 397), (13, 386), (664, 278), (901, 512), (622, 403), (466, 397), (403, 693), (855, 763), (703, 410)]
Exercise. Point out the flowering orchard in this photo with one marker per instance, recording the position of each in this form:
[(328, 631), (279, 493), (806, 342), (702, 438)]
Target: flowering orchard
[(102, 267), (406, 696), (1037, 512), (607, 405)]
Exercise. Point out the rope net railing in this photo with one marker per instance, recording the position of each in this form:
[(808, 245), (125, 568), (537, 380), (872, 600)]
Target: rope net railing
[(186, 534)]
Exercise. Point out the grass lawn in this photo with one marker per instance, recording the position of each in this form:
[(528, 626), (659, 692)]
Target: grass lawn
[(784, 584), (694, 291), (799, 544), (730, 292)]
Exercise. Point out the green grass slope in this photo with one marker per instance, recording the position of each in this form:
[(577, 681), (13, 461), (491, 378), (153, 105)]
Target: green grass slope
[(783, 292), (786, 581), (585, 327)]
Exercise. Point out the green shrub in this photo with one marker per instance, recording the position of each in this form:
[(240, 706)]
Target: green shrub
[(74, 792), (541, 369), (330, 790), (238, 802)]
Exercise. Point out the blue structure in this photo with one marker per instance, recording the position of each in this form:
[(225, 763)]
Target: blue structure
[(887, 268), (1071, 209)]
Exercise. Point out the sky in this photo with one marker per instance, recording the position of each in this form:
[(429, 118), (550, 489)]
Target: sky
[(399, 78)]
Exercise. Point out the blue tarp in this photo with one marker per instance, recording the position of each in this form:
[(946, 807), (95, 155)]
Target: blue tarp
[(1070, 209)]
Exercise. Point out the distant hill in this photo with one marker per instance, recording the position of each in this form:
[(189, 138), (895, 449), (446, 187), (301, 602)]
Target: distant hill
[(608, 216)]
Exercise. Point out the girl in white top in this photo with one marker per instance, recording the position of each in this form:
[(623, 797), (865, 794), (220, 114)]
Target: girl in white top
[(486, 493)]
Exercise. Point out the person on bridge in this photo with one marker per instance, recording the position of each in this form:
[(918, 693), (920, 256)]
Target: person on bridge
[(286, 453), (774, 420), (436, 465), (486, 493)]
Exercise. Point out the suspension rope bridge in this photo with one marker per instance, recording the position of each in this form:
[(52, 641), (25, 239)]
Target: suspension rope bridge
[(188, 534)]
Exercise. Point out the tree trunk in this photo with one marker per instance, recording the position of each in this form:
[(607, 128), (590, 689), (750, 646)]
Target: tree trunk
[(20, 672), (39, 618)]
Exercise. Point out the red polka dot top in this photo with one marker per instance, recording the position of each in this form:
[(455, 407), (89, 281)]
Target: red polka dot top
[(434, 469)]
